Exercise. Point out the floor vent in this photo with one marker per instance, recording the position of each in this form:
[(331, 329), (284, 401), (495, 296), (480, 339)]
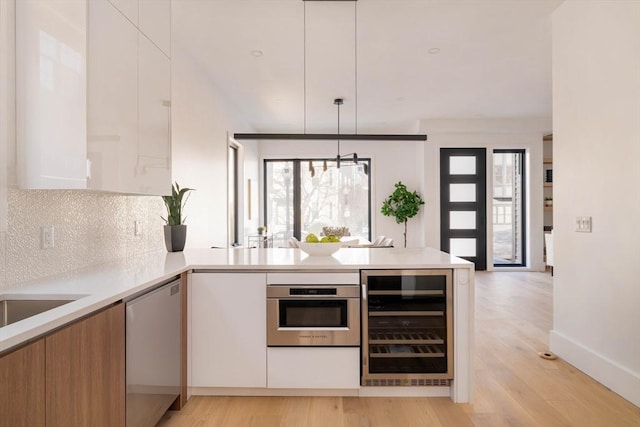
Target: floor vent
[(409, 383)]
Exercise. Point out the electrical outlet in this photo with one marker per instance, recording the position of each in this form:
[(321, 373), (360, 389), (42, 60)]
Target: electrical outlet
[(137, 228), (583, 224), (47, 237)]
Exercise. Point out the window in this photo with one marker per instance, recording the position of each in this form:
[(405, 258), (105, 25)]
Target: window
[(303, 195), (234, 217), (508, 208)]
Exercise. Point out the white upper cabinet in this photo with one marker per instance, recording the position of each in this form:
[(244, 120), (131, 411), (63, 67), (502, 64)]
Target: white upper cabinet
[(51, 46), (128, 8), (153, 168), (155, 22), (151, 17), (93, 95), (112, 93)]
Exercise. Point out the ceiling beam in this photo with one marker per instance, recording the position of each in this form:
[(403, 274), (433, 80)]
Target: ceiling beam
[(325, 136)]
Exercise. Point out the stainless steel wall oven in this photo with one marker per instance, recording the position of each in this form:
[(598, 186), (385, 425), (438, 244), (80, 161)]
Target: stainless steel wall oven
[(313, 315), (407, 334)]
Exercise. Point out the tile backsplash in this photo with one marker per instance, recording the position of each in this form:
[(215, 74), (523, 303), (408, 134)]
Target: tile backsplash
[(90, 228)]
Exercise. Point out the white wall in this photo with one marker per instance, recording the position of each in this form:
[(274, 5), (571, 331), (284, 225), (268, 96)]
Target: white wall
[(391, 161), (201, 123), (596, 143), (490, 134)]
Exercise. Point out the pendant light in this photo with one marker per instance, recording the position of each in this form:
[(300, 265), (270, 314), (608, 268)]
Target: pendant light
[(353, 157)]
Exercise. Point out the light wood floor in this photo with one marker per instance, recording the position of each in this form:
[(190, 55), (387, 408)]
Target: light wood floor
[(513, 386)]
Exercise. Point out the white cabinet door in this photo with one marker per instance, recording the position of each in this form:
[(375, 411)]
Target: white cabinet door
[(308, 367), (128, 8), (155, 22), (112, 98), (153, 166), (228, 329), (51, 94)]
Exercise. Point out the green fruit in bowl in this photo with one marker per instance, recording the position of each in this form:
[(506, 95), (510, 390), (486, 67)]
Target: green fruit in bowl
[(325, 239), (311, 238), (333, 239)]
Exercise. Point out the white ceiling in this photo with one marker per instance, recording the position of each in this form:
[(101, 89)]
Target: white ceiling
[(494, 60)]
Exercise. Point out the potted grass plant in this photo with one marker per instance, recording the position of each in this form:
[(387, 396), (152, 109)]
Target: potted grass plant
[(175, 231)]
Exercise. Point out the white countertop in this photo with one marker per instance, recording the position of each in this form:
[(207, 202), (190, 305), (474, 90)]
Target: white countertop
[(99, 286)]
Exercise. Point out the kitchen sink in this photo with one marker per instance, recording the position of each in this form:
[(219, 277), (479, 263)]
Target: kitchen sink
[(16, 308)]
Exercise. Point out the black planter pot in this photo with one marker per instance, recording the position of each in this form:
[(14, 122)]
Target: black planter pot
[(175, 237)]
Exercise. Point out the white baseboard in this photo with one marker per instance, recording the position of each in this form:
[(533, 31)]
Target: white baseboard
[(612, 375)]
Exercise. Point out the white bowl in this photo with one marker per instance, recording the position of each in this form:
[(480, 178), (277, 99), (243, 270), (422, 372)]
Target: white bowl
[(320, 249)]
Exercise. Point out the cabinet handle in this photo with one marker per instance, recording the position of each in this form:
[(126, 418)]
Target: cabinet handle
[(364, 292)]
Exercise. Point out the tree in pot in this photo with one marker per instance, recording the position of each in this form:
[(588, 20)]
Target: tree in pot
[(175, 232), (402, 205)]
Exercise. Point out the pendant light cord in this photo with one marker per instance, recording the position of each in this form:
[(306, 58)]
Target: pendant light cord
[(355, 68), (304, 65), (339, 128)]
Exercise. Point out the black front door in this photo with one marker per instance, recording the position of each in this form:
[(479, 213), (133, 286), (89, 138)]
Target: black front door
[(463, 188)]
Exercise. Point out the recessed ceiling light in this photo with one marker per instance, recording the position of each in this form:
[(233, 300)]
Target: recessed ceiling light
[(434, 50), (256, 53)]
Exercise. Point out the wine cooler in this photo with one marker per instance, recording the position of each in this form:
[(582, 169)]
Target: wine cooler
[(407, 337)]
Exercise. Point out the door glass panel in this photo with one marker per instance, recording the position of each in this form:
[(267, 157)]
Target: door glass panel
[(462, 247), (462, 220), (462, 165), (508, 208), (462, 192)]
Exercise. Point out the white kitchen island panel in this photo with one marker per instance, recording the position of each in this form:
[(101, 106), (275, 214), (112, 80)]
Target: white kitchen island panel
[(228, 339), (314, 368)]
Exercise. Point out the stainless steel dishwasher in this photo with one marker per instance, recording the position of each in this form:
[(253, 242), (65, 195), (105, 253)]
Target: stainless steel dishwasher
[(153, 353)]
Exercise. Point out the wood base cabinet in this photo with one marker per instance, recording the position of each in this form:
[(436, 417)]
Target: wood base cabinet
[(72, 377), (22, 387), (85, 367)]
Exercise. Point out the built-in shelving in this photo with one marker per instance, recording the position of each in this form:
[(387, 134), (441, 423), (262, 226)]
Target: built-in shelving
[(547, 165)]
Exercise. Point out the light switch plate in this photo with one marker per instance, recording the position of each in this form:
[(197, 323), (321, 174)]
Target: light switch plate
[(137, 228), (583, 224)]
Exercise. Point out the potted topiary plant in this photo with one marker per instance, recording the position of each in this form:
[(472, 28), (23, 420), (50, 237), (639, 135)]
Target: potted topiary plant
[(402, 205), (175, 232)]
